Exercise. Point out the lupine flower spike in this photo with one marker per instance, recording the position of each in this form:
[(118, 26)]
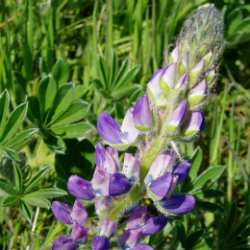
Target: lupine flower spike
[(171, 112)]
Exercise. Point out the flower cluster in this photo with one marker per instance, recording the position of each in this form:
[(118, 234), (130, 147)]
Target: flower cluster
[(169, 113)]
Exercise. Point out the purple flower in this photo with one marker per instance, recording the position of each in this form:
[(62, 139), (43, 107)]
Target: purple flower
[(64, 243), (163, 164), (80, 188), (182, 82), (79, 214), (79, 234), (62, 212), (131, 168), (154, 90), (100, 243), (182, 170), (154, 224), (137, 218), (100, 154), (130, 237), (142, 115), (100, 181), (178, 204), (108, 228), (119, 184), (140, 247), (193, 125), (197, 93), (168, 76), (160, 187), (177, 116)]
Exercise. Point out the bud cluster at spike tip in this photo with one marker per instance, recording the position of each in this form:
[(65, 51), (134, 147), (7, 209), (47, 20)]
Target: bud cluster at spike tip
[(170, 111)]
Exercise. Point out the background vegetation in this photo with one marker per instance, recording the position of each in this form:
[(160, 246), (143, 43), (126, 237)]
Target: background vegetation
[(109, 51)]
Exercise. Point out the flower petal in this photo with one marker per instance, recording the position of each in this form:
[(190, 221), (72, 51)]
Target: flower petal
[(142, 114), (154, 89), (130, 237), (79, 214), (178, 204), (108, 228), (112, 164), (139, 246), (62, 212), (154, 224), (131, 167), (130, 132), (137, 218), (80, 188), (100, 155), (100, 243), (79, 234), (161, 186), (182, 170), (100, 181), (64, 243), (119, 184), (168, 75), (109, 130)]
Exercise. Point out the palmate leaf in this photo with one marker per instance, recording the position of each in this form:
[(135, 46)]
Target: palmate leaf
[(76, 112), (48, 193), (36, 201), (193, 238), (10, 201), (60, 72), (103, 71), (72, 130), (125, 90), (42, 68), (11, 153), (13, 123), (18, 176), (210, 207), (4, 105), (7, 187), (27, 210)]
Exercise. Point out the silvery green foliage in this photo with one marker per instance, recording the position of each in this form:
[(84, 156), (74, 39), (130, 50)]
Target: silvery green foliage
[(170, 112)]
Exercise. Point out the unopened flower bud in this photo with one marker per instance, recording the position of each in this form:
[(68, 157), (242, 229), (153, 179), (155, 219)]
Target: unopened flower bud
[(79, 214), (167, 79), (197, 93), (119, 184), (154, 224), (195, 73), (100, 243), (79, 234), (64, 242), (62, 212)]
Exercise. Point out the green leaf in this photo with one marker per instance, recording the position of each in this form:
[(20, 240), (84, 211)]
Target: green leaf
[(60, 72), (234, 19), (18, 178), (9, 201), (21, 138), (42, 68), (4, 105), (103, 71), (119, 110), (76, 112), (14, 121), (125, 90), (231, 215), (64, 98), (36, 201), (33, 109), (72, 130), (196, 162), (48, 193), (46, 95), (208, 176), (193, 238), (127, 77), (27, 211), (209, 193), (12, 154), (210, 207), (35, 179), (178, 233), (7, 187), (205, 244), (112, 68), (121, 74)]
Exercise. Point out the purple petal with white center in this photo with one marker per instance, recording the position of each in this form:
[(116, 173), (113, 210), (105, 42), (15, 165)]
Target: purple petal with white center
[(193, 124), (79, 214), (130, 132), (108, 228), (199, 66), (177, 116), (142, 113), (137, 218), (131, 167), (119, 184), (154, 224), (109, 130), (80, 188), (64, 243), (178, 204), (182, 170), (100, 155), (62, 212), (161, 186), (173, 186), (139, 246), (163, 164), (168, 75), (79, 234), (100, 243), (154, 85), (100, 182), (184, 60), (112, 164), (182, 81), (199, 90), (130, 237)]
